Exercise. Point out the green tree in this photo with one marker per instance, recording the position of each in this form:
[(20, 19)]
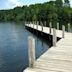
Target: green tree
[(59, 3), (67, 3), (51, 11)]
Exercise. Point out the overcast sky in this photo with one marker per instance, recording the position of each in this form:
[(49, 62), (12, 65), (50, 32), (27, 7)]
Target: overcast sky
[(7, 4)]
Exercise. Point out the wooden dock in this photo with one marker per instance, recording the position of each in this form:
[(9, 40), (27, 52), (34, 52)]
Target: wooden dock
[(45, 30), (58, 58)]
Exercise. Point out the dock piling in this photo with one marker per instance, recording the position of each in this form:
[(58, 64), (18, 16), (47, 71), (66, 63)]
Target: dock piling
[(57, 26), (63, 31), (68, 27), (54, 37), (50, 26), (31, 51), (33, 24), (45, 23), (37, 24), (42, 26)]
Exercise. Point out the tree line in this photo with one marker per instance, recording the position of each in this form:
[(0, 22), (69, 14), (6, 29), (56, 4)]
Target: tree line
[(52, 11)]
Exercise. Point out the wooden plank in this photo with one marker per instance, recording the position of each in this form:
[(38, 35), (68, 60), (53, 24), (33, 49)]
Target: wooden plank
[(56, 59)]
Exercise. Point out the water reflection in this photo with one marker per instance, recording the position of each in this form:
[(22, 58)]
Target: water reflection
[(43, 46), (14, 34), (14, 47)]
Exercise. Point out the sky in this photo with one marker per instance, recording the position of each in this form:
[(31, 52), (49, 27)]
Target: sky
[(9, 4)]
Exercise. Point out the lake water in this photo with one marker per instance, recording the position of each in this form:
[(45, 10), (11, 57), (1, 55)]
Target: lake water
[(14, 47)]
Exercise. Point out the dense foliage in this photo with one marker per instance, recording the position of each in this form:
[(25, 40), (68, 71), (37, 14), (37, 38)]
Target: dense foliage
[(54, 11)]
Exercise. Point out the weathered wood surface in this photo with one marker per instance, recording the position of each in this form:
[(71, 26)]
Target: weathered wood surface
[(59, 58), (31, 51), (46, 30), (56, 59)]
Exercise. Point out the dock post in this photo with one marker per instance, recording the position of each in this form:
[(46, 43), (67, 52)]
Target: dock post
[(42, 26), (63, 31), (30, 24), (33, 24), (68, 27), (54, 37), (57, 26), (45, 23), (37, 25), (31, 51), (27, 23), (50, 26)]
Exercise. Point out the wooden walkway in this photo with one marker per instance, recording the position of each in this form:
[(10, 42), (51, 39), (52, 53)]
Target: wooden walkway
[(56, 59), (45, 29)]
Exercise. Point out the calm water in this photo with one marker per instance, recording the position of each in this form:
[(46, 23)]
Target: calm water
[(14, 47)]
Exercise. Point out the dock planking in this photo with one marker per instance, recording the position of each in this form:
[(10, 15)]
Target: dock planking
[(58, 58), (46, 30)]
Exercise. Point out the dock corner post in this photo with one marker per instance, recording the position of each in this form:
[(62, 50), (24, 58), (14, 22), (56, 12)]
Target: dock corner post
[(63, 31), (57, 26), (31, 51), (68, 27), (54, 37), (50, 26)]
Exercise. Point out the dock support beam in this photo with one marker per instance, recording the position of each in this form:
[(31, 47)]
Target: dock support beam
[(68, 27), (63, 31), (57, 26), (54, 37), (31, 51)]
